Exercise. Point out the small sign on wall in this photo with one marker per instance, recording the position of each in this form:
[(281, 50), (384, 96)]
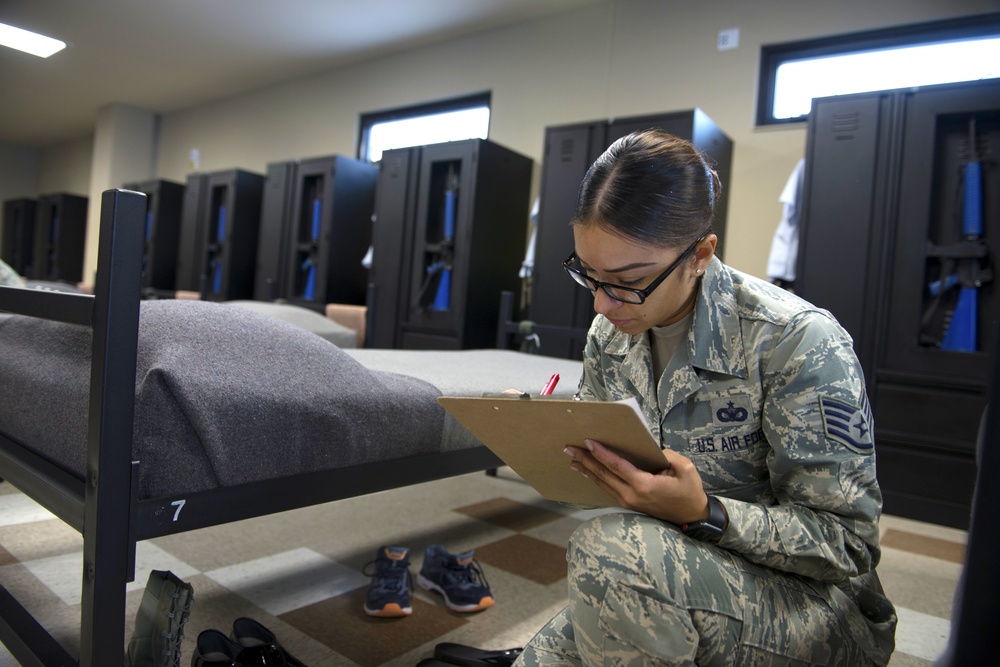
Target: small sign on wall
[(728, 39)]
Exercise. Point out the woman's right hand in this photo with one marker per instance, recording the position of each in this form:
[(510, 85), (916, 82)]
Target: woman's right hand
[(675, 494)]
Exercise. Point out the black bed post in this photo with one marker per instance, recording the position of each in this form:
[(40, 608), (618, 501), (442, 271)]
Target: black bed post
[(109, 438)]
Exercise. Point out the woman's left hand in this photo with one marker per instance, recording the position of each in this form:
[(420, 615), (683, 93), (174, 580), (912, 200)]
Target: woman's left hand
[(674, 494)]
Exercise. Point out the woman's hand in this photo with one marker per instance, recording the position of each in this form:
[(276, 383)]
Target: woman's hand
[(675, 494)]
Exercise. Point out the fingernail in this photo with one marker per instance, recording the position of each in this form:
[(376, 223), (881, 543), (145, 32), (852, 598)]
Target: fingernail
[(568, 452), (589, 444)]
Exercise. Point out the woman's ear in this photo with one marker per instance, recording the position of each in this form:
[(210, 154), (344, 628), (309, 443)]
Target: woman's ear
[(703, 253)]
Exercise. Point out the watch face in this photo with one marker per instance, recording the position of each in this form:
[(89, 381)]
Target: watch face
[(703, 530), (710, 529)]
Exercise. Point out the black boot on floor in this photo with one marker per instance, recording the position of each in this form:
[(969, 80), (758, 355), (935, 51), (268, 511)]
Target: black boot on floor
[(159, 624)]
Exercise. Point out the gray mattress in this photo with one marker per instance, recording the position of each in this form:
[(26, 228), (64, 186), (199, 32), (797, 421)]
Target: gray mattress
[(303, 318), (226, 396)]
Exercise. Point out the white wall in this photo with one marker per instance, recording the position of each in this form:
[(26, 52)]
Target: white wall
[(30, 172), (66, 168), (620, 58), (18, 172)]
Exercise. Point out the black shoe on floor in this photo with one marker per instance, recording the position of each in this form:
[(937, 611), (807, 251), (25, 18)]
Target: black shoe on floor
[(214, 649), (458, 654), (260, 647)]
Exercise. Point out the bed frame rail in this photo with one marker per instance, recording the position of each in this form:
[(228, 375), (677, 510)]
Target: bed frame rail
[(97, 504), (508, 329), (167, 516), (104, 505), (44, 482), (58, 306)]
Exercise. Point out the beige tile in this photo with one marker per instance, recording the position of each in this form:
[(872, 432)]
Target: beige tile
[(925, 546), (920, 583), (889, 521)]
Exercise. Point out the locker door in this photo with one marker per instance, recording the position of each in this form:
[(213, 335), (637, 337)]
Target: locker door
[(308, 259), (441, 240), (392, 244), (270, 281), (844, 219), (935, 148)]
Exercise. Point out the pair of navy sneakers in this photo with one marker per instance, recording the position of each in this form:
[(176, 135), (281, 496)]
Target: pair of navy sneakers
[(458, 578)]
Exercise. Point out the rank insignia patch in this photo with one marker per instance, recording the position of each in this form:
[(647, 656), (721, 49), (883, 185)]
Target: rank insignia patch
[(848, 424)]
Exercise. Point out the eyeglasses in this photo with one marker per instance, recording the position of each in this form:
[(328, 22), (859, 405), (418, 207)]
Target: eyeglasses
[(617, 292)]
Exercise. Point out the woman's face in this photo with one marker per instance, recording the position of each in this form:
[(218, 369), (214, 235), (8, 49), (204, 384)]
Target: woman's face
[(610, 258)]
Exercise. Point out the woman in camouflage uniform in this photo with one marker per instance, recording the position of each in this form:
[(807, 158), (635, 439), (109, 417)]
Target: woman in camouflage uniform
[(758, 545)]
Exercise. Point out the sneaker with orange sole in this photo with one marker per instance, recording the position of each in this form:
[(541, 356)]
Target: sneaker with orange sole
[(457, 577), (389, 593)]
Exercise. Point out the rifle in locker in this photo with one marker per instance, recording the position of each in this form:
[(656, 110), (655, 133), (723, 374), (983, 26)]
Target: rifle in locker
[(964, 268)]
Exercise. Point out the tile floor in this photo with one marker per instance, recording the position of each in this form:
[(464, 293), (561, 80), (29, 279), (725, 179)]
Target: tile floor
[(299, 572)]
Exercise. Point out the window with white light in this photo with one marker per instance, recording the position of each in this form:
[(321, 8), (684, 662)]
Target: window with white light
[(966, 49), (419, 125)]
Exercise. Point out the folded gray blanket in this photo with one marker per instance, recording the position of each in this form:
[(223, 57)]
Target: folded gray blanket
[(223, 396)]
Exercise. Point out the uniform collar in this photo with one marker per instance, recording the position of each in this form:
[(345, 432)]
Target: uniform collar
[(716, 338)]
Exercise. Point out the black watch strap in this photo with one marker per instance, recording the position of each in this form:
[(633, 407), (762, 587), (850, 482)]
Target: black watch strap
[(712, 528)]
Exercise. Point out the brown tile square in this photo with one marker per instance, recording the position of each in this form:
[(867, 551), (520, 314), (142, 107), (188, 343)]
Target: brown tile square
[(509, 514), (342, 624), (526, 557), (6, 558), (925, 546)]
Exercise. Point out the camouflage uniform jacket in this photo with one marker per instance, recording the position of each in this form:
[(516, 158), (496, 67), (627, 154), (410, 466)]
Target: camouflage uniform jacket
[(768, 400)]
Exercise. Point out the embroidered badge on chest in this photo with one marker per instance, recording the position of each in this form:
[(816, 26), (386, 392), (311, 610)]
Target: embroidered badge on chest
[(847, 424), (730, 411)]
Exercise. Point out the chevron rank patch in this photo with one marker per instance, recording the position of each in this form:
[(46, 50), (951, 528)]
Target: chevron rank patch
[(847, 424)]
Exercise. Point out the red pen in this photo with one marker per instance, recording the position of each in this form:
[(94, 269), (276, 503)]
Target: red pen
[(550, 385)]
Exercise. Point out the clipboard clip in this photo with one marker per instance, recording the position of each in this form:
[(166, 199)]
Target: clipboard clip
[(522, 394)]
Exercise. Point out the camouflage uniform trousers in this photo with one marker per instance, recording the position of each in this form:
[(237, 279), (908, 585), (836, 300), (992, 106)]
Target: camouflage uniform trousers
[(643, 593)]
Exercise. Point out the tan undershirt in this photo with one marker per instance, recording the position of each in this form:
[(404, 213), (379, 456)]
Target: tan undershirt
[(664, 341)]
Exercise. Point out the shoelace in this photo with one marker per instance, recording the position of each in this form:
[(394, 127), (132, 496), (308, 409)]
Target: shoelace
[(467, 575), (387, 579), (172, 650)]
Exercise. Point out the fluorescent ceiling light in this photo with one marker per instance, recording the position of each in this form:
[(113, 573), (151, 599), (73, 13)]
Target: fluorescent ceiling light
[(29, 42)]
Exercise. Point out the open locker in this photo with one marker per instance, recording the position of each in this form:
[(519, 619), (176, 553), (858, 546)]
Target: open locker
[(17, 248), (315, 231), (60, 235), (884, 246), (164, 203), (449, 238), (218, 241)]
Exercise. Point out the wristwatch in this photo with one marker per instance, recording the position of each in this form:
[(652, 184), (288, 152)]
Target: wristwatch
[(710, 529)]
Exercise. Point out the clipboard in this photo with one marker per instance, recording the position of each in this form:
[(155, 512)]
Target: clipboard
[(529, 435)]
